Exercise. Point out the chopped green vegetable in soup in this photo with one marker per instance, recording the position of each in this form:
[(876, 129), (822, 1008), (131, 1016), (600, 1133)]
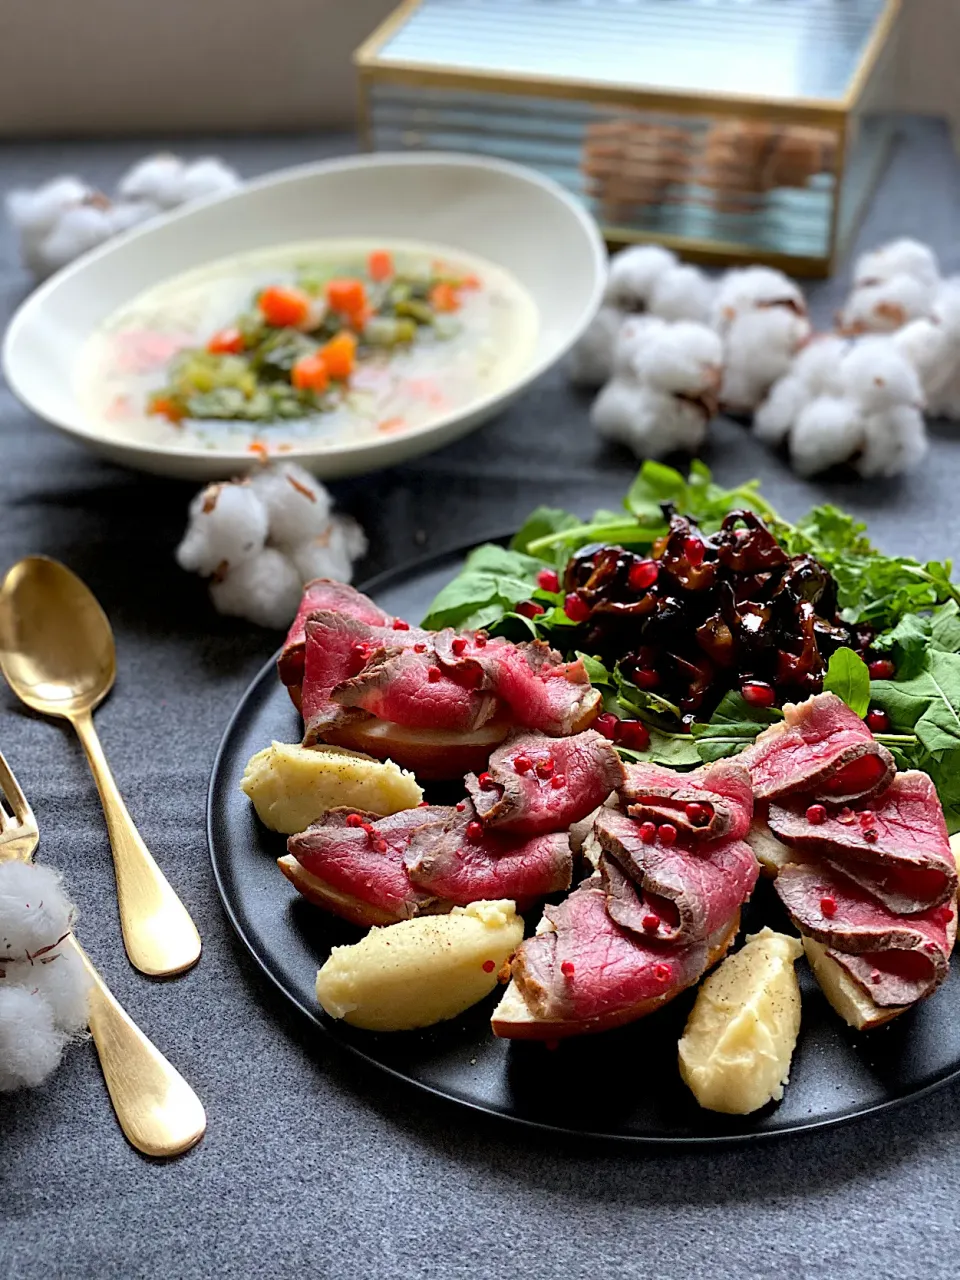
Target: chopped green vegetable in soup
[(312, 343)]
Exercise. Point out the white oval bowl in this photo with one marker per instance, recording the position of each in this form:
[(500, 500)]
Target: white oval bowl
[(499, 211)]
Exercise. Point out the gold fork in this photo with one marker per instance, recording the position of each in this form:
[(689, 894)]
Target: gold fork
[(157, 1109)]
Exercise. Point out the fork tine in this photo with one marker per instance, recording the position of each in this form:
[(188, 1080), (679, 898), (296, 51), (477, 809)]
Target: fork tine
[(13, 795)]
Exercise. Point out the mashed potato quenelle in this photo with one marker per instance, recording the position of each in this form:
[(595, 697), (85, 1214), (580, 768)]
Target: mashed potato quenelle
[(420, 971), (738, 1043), (292, 786)]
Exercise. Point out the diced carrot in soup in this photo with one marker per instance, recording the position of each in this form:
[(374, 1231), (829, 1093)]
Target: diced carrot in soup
[(347, 296), (227, 342), (166, 408), (443, 297), (284, 306), (310, 373), (380, 265), (339, 355)]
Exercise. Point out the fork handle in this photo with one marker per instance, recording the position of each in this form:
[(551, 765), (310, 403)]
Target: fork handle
[(157, 1109), (160, 938)]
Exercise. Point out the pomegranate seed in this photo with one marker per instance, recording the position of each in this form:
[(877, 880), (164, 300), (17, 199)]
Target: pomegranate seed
[(648, 832), (878, 721), (633, 734), (846, 816), (577, 610), (459, 646), (400, 625), (460, 807), (354, 820), (474, 831), (828, 906), (931, 947), (529, 609), (866, 817), (667, 833), (425, 804), (606, 725), (694, 550), (381, 846), (361, 650), (758, 693), (547, 580), (662, 972), (558, 781), (522, 764), (367, 827), (480, 639), (567, 969), (434, 674), (698, 814), (419, 648), (875, 974), (643, 575), (486, 782), (651, 922), (646, 679), (870, 835), (488, 966), (816, 814), (882, 669), (944, 915), (545, 767)]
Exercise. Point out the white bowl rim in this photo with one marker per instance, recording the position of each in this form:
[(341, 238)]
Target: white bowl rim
[(486, 405)]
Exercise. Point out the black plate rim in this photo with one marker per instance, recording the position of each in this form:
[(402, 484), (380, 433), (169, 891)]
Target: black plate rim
[(391, 577)]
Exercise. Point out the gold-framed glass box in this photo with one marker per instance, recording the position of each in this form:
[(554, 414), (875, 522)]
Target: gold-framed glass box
[(730, 130)]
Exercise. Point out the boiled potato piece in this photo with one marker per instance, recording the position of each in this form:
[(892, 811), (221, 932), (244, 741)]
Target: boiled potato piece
[(736, 1048), (847, 997), (291, 786), (420, 971)]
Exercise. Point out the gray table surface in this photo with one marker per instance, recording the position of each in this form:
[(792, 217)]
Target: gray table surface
[(308, 1166)]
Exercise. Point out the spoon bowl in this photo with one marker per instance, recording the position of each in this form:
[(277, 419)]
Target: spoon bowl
[(56, 646), (58, 656)]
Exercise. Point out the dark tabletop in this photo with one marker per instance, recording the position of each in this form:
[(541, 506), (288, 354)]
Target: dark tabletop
[(310, 1165)]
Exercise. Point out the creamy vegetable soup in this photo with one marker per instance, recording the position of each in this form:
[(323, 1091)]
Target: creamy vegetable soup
[(317, 343)]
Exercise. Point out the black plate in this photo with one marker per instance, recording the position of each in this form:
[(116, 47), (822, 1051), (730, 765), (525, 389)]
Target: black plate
[(836, 1073)]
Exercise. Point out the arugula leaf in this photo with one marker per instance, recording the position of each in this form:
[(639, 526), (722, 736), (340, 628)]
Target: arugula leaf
[(928, 704), (676, 750), (944, 628), (733, 726), (541, 523), (847, 676), (643, 702), (492, 580), (908, 643)]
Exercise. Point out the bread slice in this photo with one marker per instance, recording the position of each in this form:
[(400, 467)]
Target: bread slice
[(848, 998), (772, 854), (513, 1020), (323, 895), (434, 754)]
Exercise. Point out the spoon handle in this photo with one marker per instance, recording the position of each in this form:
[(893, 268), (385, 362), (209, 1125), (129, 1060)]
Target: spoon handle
[(157, 1109), (159, 935)]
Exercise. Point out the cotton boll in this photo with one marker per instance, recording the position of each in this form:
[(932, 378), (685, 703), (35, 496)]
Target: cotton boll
[(895, 440), (591, 360), (633, 273), (758, 349), (131, 213), (206, 177), (65, 985), (682, 293), (30, 1044), (829, 430), (156, 179), (227, 527), (649, 422), (886, 305), (34, 912), (899, 257), (331, 554), (746, 288), (682, 358), (636, 336), (814, 371), (35, 213), (78, 230), (878, 376), (265, 589), (297, 504)]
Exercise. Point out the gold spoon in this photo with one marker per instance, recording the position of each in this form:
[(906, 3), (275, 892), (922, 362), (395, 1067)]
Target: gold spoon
[(58, 656), (157, 1109)]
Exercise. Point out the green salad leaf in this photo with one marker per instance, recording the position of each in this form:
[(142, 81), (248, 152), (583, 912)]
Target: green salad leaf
[(732, 727), (492, 581), (847, 676)]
